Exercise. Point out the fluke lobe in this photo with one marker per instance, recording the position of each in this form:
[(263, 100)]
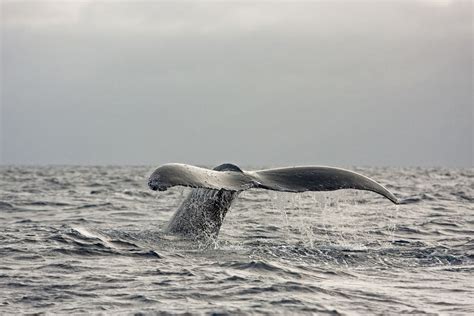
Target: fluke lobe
[(202, 212)]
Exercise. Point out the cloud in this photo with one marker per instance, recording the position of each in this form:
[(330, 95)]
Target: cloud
[(219, 17), (41, 13), (323, 82)]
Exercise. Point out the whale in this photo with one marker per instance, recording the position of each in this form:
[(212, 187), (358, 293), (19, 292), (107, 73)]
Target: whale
[(201, 214)]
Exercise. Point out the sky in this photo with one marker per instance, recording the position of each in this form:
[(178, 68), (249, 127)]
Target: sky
[(269, 83)]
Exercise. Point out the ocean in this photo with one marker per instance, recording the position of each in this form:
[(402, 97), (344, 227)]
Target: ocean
[(79, 239)]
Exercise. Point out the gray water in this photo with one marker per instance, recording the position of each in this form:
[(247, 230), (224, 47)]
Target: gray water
[(87, 239)]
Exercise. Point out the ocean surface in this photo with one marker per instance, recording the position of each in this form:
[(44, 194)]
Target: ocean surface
[(89, 240)]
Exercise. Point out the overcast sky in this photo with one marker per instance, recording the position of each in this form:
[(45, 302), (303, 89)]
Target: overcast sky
[(268, 83)]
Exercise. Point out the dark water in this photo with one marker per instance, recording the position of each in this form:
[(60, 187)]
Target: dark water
[(87, 239)]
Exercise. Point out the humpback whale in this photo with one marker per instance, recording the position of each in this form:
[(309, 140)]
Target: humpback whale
[(202, 212)]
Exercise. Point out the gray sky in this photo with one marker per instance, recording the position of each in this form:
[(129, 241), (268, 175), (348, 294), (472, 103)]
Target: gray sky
[(268, 83)]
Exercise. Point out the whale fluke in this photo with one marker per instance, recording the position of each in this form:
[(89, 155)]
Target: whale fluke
[(201, 214), (314, 178), (291, 179), (175, 174)]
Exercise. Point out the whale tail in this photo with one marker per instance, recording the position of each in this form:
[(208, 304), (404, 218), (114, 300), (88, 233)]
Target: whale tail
[(292, 179), (301, 179), (202, 213)]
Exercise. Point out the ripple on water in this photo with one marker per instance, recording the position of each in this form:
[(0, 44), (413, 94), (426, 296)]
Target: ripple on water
[(88, 240)]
